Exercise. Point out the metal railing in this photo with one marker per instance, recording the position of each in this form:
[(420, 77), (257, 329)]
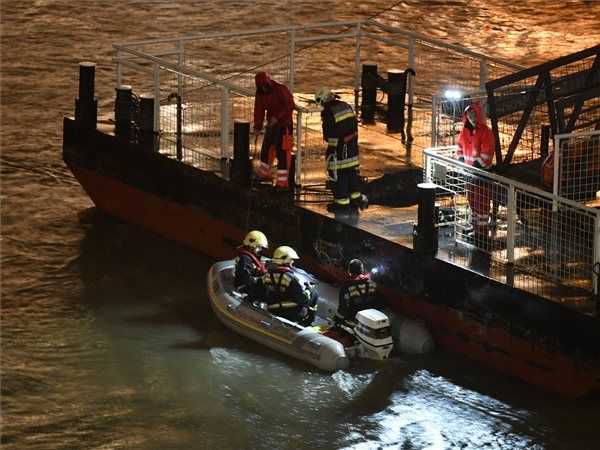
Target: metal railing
[(540, 233), (214, 90), (577, 166)]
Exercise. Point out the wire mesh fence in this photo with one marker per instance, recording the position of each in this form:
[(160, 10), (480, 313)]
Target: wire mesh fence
[(579, 166), (539, 233)]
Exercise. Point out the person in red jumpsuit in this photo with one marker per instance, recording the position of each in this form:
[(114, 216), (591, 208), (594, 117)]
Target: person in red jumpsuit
[(278, 102), (476, 146)]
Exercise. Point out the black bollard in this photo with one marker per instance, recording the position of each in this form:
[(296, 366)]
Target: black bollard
[(147, 137), (396, 92), (426, 235), (369, 92), (123, 110), (86, 105), (241, 169)]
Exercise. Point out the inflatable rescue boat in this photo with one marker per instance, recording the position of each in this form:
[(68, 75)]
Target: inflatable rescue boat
[(318, 344)]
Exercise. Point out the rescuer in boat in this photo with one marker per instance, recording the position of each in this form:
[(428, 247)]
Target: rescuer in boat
[(340, 131), (476, 145), (285, 296), (356, 294), (277, 100), (249, 268)]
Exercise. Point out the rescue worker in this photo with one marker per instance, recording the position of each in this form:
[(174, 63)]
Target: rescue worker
[(340, 131), (476, 146), (278, 102), (356, 294), (249, 268), (286, 297)]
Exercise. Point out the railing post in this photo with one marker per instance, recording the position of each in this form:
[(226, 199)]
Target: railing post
[(180, 58), (483, 74), (292, 50), (511, 219), (357, 67), (119, 69), (411, 96), (156, 98), (298, 169), (434, 110), (224, 122), (596, 260), (555, 177), (426, 168)]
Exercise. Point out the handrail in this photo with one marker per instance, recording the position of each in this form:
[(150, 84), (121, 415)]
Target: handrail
[(275, 29), (442, 44), (501, 179)]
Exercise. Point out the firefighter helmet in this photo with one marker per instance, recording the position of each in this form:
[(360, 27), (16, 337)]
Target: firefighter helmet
[(284, 255), (355, 267), (323, 95), (255, 239)]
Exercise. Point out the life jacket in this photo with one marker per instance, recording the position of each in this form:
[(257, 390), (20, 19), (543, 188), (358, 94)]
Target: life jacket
[(340, 130), (358, 293), (261, 269)]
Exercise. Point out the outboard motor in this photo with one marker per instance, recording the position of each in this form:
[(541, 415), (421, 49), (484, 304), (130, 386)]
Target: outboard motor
[(374, 334)]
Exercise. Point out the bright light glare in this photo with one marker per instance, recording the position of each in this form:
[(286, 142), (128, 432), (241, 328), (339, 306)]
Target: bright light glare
[(374, 270), (452, 94)]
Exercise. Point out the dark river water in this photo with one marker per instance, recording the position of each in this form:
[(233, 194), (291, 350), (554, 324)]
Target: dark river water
[(107, 337)]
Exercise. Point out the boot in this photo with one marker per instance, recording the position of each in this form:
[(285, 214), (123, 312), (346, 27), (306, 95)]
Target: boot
[(361, 202)]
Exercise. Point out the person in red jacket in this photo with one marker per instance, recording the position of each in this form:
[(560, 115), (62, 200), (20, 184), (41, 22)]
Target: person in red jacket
[(278, 102), (476, 146)]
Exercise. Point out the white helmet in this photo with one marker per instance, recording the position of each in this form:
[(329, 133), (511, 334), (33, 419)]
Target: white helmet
[(284, 255), (323, 95), (255, 239)]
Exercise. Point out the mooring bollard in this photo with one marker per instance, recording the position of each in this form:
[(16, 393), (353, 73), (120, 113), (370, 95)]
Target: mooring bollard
[(123, 110), (240, 168), (369, 92), (147, 137), (86, 104), (396, 91), (426, 233)]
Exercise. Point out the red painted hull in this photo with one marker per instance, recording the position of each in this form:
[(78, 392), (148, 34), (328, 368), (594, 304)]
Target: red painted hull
[(493, 346)]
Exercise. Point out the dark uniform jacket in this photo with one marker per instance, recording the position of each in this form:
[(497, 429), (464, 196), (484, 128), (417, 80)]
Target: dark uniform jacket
[(286, 297), (356, 294), (248, 272), (340, 130)]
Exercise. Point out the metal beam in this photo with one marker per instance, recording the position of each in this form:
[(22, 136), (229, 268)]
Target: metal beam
[(544, 67), (523, 122), (588, 81)]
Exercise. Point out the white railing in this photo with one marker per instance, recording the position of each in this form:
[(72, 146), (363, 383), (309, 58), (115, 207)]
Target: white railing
[(184, 64), (577, 166), (538, 232)]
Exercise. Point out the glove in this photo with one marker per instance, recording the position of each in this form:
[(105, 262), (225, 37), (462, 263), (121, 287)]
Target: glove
[(477, 165), (461, 159)]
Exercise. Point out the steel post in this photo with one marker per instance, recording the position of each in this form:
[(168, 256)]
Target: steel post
[(298, 169), (511, 219), (156, 98), (224, 122)]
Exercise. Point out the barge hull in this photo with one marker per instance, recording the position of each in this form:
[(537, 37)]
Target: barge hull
[(520, 334)]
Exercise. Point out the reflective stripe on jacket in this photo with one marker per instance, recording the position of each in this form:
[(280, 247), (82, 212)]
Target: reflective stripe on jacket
[(340, 131)]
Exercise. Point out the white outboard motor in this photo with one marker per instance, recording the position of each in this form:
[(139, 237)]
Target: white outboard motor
[(374, 334)]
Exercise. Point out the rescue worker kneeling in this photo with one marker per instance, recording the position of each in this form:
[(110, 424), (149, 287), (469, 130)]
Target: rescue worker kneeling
[(249, 268), (340, 131), (356, 294), (286, 297)]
